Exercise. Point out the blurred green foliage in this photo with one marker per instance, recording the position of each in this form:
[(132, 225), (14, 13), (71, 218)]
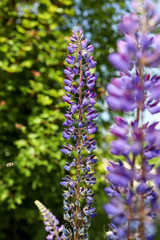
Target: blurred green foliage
[(33, 41)]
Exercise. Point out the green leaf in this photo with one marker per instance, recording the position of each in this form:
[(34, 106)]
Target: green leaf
[(44, 99), (27, 63), (21, 143)]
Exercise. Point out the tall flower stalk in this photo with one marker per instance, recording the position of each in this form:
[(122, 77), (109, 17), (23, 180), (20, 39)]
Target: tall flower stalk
[(133, 200), (79, 124)]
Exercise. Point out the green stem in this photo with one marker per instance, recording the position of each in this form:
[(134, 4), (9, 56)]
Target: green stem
[(78, 159), (142, 206)]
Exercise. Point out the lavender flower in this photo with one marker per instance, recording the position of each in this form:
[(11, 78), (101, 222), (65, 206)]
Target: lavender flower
[(133, 201), (51, 223), (79, 124)]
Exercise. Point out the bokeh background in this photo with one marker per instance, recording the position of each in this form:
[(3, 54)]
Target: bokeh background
[(33, 40)]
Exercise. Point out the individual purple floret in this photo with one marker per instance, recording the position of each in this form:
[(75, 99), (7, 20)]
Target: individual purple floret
[(51, 223), (134, 202), (79, 125)]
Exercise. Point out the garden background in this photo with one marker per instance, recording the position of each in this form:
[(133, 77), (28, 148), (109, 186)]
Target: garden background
[(33, 40)]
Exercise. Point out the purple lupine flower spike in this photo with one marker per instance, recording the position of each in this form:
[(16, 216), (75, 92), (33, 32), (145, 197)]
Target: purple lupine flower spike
[(133, 201), (79, 124), (51, 223)]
